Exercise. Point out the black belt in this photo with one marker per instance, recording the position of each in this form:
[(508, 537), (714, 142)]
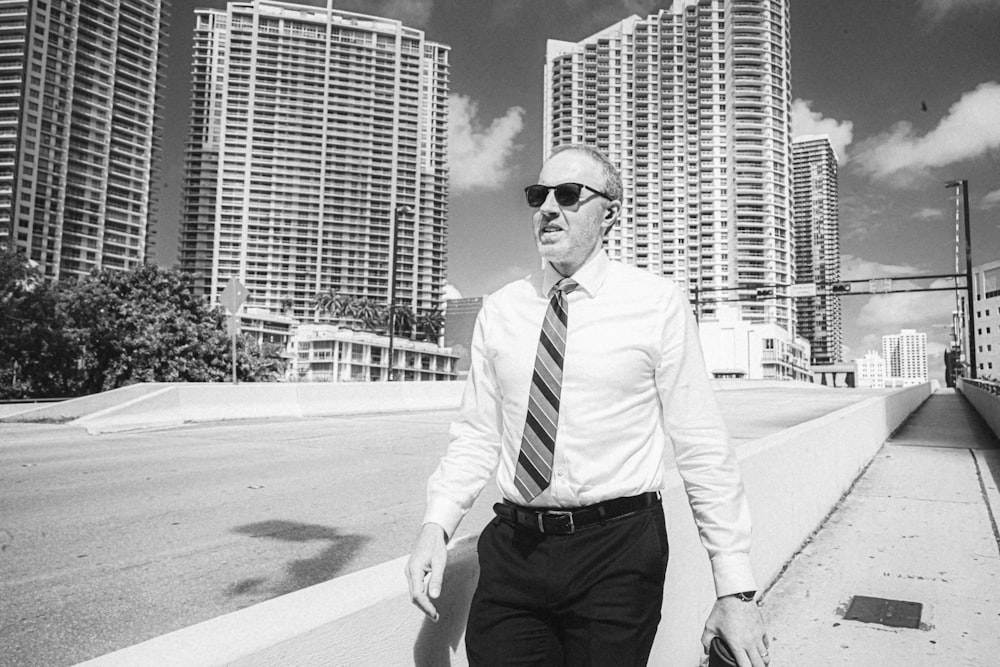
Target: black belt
[(568, 521)]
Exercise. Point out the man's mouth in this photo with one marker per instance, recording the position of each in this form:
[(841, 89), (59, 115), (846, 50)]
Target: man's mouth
[(549, 231)]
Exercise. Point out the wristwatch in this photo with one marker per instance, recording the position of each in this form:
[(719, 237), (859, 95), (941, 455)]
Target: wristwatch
[(745, 596)]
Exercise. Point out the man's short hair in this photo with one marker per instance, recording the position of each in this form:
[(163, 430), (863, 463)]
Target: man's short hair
[(612, 179)]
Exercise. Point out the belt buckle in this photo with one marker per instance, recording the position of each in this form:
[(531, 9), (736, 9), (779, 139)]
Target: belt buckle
[(564, 520)]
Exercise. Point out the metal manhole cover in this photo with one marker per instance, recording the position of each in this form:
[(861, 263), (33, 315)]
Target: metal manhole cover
[(894, 613)]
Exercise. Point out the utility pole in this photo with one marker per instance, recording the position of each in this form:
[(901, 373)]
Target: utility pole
[(964, 185)]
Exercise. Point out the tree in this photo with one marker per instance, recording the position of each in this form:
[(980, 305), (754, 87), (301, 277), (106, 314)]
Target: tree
[(332, 301), (369, 313), (115, 328), (33, 347), (403, 320), (429, 323)]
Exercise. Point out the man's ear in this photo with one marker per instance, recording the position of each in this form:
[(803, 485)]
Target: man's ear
[(611, 214)]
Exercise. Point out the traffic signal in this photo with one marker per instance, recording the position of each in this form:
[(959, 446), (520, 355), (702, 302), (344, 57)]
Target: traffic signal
[(765, 293), (840, 288)]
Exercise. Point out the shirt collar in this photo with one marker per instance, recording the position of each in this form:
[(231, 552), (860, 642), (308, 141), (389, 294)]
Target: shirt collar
[(590, 276)]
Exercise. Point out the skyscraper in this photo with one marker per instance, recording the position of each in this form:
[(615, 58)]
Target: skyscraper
[(693, 103), (79, 139), (313, 133), (817, 244), (905, 357)]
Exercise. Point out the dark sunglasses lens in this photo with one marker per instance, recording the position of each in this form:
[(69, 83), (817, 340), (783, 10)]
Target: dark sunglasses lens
[(536, 195), (567, 194)]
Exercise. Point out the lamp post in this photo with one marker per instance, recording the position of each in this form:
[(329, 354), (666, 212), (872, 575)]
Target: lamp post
[(971, 307), (400, 209)]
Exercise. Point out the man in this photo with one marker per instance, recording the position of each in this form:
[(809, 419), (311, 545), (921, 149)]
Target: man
[(579, 375)]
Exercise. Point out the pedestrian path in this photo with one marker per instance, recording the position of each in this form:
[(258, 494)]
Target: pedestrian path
[(919, 526)]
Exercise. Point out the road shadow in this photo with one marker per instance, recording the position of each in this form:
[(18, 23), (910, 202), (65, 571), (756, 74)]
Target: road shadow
[(304, 572)]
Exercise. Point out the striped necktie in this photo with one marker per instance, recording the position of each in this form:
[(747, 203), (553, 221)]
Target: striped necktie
[(534, 463)]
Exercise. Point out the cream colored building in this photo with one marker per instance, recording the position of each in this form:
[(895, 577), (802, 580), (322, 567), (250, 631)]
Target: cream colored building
[(986, 292), (324, 352), (871, 370), (735, 348), (905, 357)]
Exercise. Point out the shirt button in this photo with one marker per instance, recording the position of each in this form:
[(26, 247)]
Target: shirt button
[(560, 472)]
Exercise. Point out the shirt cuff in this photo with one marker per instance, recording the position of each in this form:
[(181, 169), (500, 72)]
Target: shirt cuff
[(733, 574), (444, 512)]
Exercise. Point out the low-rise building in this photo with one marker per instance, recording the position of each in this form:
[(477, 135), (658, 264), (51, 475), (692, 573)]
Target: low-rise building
[(986, 292), (735, 348), (871, 370), (326, 352)]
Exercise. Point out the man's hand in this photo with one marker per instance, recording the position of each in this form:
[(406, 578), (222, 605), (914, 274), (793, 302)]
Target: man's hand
[(425, 569), (742, 626)]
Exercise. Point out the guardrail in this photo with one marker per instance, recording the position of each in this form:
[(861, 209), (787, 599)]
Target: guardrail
[(793, 479)]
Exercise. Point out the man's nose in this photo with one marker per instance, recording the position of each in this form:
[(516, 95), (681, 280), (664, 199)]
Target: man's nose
[(550, 207)]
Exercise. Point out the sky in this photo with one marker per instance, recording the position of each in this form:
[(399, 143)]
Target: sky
[(908, 90)]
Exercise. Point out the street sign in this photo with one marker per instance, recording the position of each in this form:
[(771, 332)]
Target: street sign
[(233, 296), (802, 289), (880, 285)]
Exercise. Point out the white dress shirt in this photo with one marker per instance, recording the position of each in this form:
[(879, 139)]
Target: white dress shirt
[(634, 379)]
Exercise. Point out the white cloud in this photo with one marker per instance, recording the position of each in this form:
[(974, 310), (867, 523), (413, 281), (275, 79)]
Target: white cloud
[(888, 313), (928, 213), (480, 156), (858, 268), (938, 9), (991, 199), (806, 121), (969, 130)]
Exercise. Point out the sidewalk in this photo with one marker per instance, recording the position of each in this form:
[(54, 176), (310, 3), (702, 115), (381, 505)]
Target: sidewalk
[(918, 526)]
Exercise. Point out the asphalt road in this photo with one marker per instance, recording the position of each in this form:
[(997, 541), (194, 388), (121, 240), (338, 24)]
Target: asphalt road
[(108, 540)]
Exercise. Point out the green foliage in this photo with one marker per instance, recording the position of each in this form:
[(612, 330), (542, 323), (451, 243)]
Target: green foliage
[(113, 329)]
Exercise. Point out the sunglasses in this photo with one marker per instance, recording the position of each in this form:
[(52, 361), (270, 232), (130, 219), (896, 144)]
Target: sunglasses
[(567, 194)]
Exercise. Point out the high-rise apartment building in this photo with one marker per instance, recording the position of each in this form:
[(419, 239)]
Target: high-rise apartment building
[(79, 144), (905, 357), (317, 152), (693, 103), (816, 216)]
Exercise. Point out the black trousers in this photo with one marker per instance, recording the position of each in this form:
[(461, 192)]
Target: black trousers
[(591, 598)]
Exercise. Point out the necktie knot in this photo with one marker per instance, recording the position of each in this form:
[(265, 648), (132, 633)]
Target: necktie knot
[(566, 285)]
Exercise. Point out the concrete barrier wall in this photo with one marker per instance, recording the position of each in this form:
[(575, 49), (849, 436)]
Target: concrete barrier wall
[(985, 403), (793, 479), (173, 404)]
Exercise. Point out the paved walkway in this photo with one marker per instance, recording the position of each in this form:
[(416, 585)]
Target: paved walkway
[(920, 525)]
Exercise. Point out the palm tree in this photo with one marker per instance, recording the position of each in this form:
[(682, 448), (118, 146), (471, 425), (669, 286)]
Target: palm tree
[(403, 320), (430, 323), (369, 313), (332, 302)]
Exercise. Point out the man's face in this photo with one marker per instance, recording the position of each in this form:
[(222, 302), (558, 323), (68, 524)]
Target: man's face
[(568, 236)]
